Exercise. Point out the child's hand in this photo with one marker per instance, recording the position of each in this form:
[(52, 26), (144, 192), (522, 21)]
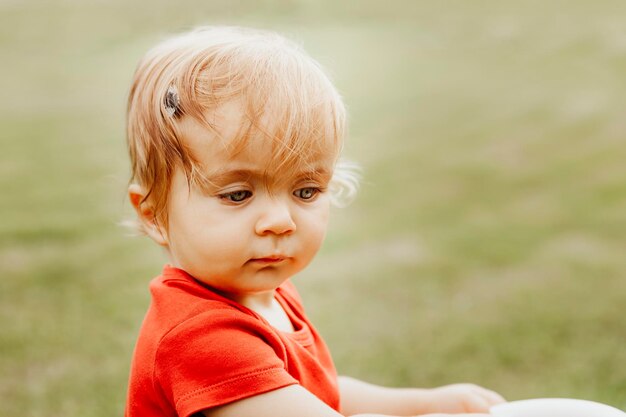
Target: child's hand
[(462, 398)]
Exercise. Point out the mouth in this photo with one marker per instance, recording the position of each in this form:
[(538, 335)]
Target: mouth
[(268, 260)]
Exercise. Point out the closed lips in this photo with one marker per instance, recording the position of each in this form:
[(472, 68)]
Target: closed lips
[(269, 259)]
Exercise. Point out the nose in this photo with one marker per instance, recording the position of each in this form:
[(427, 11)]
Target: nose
[(276, 218)]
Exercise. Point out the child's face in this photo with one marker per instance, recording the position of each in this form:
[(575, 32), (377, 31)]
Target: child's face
[(245, 233)]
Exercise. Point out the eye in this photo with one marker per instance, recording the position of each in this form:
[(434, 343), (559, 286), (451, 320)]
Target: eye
[(306, 193), (236, 196)]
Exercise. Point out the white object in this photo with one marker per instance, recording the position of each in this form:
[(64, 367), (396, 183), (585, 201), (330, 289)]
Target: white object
[(555, 407)]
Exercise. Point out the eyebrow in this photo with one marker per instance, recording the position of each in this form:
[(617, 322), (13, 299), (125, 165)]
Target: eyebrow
[(221, 176), (225, 176)]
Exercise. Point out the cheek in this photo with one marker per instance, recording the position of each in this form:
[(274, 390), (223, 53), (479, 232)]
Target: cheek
[(200, 231), (316, 226), (214, 238)]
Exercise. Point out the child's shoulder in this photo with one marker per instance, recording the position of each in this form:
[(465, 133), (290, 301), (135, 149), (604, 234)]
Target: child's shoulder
[(178, 299), (180, 303)]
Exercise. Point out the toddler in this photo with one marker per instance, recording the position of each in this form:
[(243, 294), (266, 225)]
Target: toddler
[(234, 138)]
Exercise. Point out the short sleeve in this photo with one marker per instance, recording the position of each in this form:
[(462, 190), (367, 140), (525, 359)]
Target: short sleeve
[(217, 358)]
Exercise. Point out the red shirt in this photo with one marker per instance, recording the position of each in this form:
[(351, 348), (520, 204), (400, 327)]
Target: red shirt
[(197, 350)]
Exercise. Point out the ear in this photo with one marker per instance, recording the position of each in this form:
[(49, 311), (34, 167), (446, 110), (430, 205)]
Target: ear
[(146, 215)]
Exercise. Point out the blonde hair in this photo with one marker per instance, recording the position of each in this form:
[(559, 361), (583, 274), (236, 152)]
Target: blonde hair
[(196, 72)]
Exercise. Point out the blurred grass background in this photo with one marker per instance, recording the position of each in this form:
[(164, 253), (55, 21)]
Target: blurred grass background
[(487, 243)]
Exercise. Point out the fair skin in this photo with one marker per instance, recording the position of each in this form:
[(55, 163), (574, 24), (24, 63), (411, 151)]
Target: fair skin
[(245, 233)]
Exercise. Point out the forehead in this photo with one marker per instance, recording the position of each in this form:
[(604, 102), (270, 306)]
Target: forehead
[(229, 139)]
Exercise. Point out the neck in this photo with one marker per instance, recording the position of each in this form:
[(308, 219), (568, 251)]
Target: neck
[(266, 306), (257, 301)]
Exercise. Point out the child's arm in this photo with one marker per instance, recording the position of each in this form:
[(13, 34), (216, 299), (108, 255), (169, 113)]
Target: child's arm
[(358, 396), (291, 401)]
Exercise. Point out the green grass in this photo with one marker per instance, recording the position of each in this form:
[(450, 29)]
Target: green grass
[(486, 245)]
